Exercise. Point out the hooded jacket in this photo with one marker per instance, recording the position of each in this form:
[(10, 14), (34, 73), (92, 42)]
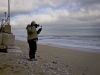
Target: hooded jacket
[(32, 32)]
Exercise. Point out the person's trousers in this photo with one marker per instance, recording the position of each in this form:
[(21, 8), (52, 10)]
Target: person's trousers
[(32, 48)]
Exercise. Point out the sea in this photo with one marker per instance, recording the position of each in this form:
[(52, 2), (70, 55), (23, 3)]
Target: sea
[(81, 39)]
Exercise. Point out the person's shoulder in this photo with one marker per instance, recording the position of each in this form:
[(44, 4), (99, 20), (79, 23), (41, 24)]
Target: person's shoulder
[(28, 26)]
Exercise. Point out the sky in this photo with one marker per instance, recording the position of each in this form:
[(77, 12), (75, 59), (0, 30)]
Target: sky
[(53, 13)]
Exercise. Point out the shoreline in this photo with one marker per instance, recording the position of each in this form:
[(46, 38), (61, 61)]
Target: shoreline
[(51, 61), (87, 47), (74, 48), (70, 48)]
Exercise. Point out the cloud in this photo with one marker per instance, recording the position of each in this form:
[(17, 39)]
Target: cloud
[(53, 12), (60, 17), (88, 2)]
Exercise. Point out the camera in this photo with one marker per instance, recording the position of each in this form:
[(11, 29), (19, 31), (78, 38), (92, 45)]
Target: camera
[(36, 25)]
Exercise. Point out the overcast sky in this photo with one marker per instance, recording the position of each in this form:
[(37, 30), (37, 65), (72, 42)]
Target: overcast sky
[(65, 13)]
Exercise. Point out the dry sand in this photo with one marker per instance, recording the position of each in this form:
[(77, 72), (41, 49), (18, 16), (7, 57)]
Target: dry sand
[(51, 61)]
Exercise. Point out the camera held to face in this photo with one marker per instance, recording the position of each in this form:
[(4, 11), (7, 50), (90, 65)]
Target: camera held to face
[(37, 25)]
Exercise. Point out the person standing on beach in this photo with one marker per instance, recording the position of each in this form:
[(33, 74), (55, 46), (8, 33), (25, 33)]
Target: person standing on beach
[(32, 39)]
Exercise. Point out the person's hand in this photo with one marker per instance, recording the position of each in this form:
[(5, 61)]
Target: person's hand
[(35, 40), (40, 29)]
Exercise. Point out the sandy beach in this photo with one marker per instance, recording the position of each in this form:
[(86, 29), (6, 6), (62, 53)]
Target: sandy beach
[(51, 61)]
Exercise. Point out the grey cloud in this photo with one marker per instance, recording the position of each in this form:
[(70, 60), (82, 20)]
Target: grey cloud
[(18, 7), (25, 7), (74, 7), (88, 2)]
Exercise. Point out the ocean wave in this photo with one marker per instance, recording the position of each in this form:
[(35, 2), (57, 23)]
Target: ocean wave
[(92, 42)]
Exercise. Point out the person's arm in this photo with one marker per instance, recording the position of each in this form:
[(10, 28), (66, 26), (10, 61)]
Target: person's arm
[(39, 30)]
